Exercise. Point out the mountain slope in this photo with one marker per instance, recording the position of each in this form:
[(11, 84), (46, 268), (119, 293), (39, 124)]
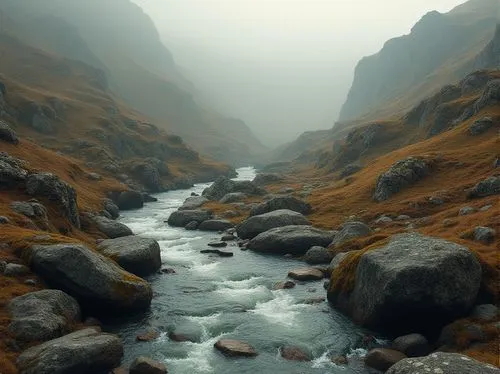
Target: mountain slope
[(440, 49), (139, 69)]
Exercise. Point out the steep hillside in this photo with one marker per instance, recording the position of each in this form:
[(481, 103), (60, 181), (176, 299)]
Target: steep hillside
[(64, 105), (120, 39), (441, 48)]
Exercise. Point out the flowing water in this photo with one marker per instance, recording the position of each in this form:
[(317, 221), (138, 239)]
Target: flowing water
[(209, 298)]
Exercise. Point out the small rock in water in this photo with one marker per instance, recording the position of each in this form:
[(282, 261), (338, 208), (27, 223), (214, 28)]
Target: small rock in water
[(168, 271), (382, 359), (218, 252), (228, 238), (294, 354), (217, 244), (146, 365), (30, 282), (191, 226), (235, 348), (306, 274), (311, 290), (284, 285), (180, 338), (148, 336), (340, 360), (315, 300)]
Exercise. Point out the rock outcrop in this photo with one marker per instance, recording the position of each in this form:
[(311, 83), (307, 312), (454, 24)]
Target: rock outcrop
[(413, 284), (279, 203), (256, 225), (488, 187), (296, 240), (140, 256), (43, 315), (223, 185), (82, 352), (181, 218), (7, 134), (96, 282), (12, 171)]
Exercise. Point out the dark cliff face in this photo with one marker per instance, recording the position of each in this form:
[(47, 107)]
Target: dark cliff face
[(117, 37), (437, 42), (489, 58)]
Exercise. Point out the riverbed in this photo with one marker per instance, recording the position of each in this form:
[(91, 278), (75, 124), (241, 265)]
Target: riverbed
[(209, 298)]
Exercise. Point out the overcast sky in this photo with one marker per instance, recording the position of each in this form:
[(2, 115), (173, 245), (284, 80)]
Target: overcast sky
[(283, 66)]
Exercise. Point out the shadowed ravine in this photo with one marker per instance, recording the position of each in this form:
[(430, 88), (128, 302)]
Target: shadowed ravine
[(211, 297)]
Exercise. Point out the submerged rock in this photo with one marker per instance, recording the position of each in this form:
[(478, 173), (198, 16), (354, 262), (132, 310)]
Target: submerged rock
[(82, 352), (140, 256), (256, 225), (293, 239), (43, 315), (306, 274), (235, 348), (294, 354)]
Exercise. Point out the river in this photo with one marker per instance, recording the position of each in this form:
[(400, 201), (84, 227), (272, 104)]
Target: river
[(210, 297)]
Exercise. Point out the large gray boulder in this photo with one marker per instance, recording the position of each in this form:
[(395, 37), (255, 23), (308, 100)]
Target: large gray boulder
[(43, 315), (488, 187), (480, 126), (140, 256), (98, 283), (181, 218), (282, 202), (290, 239), (111, 208), (128, 200), (193, 202), (400, 175), (7, 134), (442, 363), (82, 352), (215, 225), (223, 185), (50, 186), (351, 230), (12, 171), (32, 210), (318, 255), (413, 284), (256, 225), (112, 229)]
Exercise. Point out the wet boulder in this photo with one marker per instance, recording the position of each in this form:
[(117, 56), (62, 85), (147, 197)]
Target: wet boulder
[(215, 225), (235, 348), (98, 283), (146, 365), (306, 274), (51, 187), (291, 353), (82, 352), (296, 240), (181, 218), (414, 283), (112, 229), (111, 208), (442, 363), (128, 200), (280, 203), (318, 255), (488, 187), (400, 175), (7, 134), (193, 202), (223, 185), (412, 345), (12, 171), (256, 225), (351, 230), (43, 315), (382, 358), (140, 256)]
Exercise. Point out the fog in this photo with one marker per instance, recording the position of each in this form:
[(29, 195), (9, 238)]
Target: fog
[(282, 66)]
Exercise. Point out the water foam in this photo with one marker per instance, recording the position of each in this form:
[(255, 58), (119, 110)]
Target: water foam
[(280, 310)]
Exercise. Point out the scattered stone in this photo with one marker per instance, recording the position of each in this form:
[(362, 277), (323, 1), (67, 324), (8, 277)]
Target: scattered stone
[(12, 171), (488, 187), (403, 217), (148, 336), (285, 285), (315, 300), (234, 197), (485, 235), (7, 134), (480, 126), (111, 208), (350, 170), (193, 203), (318, 255), (412, 345), (43, 315), (217, 244), (176, 337), (383, 220), (340, 360), (256, 225), (486, 208), (94, 177), (98, 283), (215, 225), (228, 238), (168, 271), (434, 281), (448, 222), (181, 218), (294, 354), (145, 365), (496, 163), (128, 200), (400, 175), (263, 179), (286, 190), (193, 225), (217, 252), (16, 270), (235, 348), (436, 200), (306, 274), (382, 358), (223, 185), (351, 230), (442, 363), (295, 240), (81, 352), (30, 282), (140, 256), (280, 203), (485, 312), (194, 194), (466, 210), (112, 229), (4, 220)]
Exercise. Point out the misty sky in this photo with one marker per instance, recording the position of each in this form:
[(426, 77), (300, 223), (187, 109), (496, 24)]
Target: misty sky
[(283, 66)]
